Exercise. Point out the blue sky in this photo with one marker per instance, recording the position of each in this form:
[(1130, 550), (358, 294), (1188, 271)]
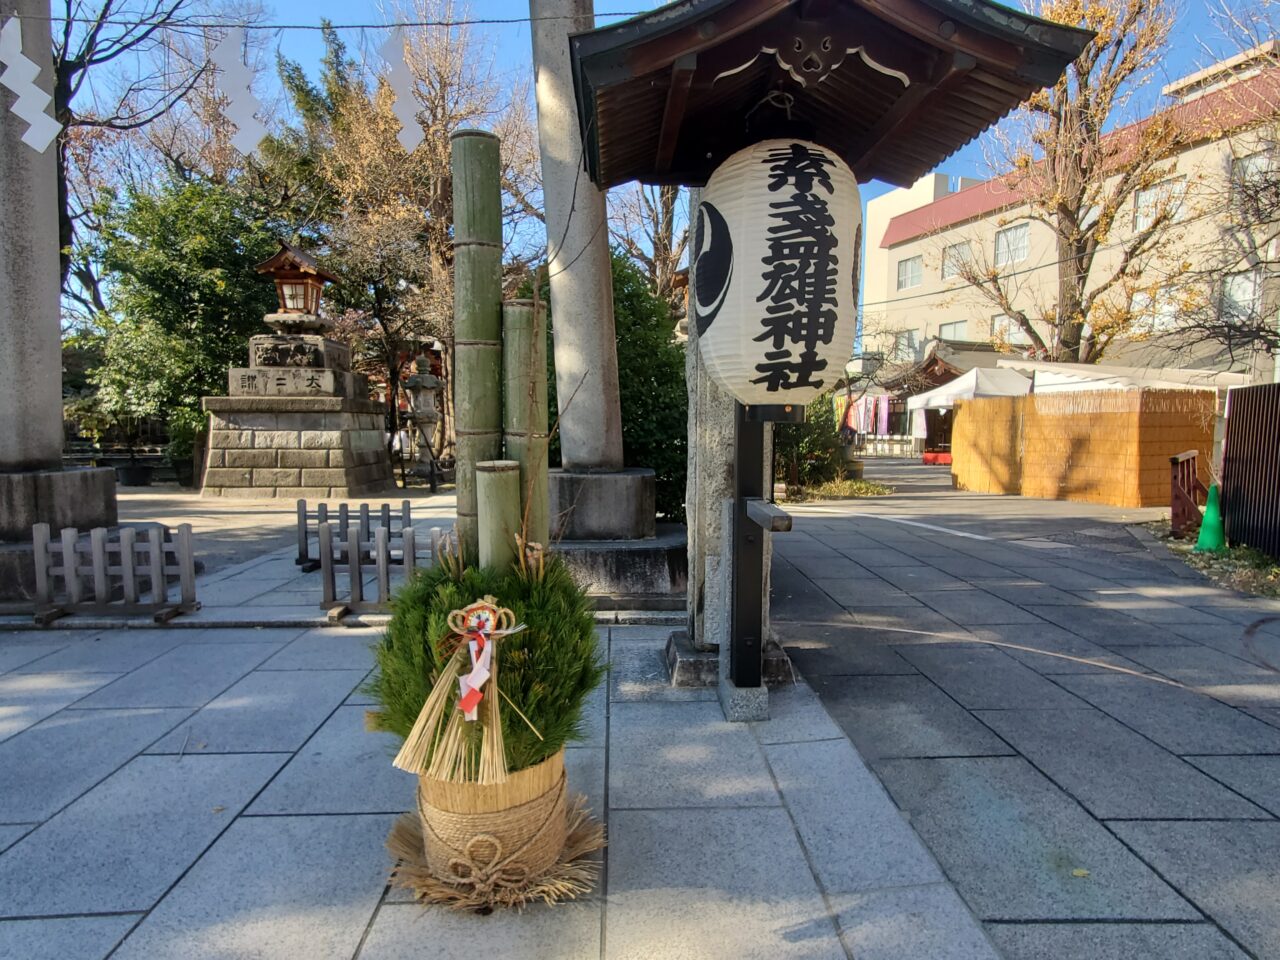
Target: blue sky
[(511, 46)]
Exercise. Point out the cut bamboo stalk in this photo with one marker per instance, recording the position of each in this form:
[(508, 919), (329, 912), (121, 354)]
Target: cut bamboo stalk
[(498, 499), (524, 367), (477, 318)]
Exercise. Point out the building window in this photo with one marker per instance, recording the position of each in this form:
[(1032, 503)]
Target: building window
[(1005, 329), (1150, 202), (910, 272), (905, 344), (954, 258), (1154, 314), (953, 331), (1013, 244), (1248, 174), (1241, 296)]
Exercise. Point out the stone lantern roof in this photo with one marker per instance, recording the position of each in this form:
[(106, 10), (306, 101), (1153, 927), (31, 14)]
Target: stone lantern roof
[(893, 86)]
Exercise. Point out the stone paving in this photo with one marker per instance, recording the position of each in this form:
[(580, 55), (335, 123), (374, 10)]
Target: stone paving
[(1078, 726), (201, 792)]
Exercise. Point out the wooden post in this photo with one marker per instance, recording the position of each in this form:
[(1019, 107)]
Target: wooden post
[(325, 538), (71, 563), (98, 560), (408, 552), (524, 409), (353, 565), (187, 564), (498, 499), (364, 527), (477, 318), (129, 563), (382, 562), (406, 515), (40, 540), (159, 582), (303, 556)]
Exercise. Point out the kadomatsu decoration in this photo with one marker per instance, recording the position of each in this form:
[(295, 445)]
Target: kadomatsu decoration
[(773, 280), (484, 675)]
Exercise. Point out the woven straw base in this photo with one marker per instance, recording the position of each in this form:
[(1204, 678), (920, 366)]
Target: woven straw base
[(573, 874)]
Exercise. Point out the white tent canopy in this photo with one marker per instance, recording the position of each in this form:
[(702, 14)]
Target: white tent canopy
[(978, 382)]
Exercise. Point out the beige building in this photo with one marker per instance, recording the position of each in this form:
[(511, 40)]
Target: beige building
[(919, 239)]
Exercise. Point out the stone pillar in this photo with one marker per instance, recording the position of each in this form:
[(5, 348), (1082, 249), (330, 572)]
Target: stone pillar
[(709, 485), (33, 486), (31, 361), (577, 233)]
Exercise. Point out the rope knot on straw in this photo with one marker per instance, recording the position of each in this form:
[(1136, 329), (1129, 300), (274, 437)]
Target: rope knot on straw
[(484, 869)]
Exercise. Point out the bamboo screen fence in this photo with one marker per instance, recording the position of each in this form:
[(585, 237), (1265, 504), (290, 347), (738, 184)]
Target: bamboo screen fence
[(1102, 446)]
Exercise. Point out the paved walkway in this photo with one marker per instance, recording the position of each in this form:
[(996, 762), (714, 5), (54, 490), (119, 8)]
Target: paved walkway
[(1082, 731), (231, 531), (190, 793)]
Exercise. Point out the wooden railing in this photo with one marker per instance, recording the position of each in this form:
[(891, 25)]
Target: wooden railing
[(1251, 468), (1186, 494), (344, 517), (354, 556), (117, 572)]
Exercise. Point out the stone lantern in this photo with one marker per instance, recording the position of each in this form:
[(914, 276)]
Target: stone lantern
[(299, 284), (424, 390), (297, 422)]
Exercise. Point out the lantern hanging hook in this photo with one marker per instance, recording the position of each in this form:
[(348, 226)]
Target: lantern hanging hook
[(779, 99)]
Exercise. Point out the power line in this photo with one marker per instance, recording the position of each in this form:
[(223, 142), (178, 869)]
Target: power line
[(226, 24)]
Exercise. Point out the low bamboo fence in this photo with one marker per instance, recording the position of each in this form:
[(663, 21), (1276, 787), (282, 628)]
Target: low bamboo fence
[(1101, 446)]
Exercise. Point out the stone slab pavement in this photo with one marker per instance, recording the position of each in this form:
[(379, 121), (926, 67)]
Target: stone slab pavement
[(194, 792), (1084, 732)]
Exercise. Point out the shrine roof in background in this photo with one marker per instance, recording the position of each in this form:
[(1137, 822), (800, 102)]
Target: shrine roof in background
[(894, 86)]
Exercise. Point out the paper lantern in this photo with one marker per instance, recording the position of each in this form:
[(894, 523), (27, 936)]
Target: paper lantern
[(774, 257)]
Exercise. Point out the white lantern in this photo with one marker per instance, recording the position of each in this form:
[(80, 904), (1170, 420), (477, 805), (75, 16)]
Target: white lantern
[(774, 257)]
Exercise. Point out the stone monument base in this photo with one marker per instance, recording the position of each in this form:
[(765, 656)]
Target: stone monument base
[(642, 571), (310, 447), (598, 505), (82, 497)]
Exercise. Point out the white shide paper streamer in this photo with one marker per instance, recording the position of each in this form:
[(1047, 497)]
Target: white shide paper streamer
[(19, 75), (237, 84)]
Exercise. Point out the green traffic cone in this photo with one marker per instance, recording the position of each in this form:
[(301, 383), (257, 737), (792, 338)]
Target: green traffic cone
[(1212, 537)]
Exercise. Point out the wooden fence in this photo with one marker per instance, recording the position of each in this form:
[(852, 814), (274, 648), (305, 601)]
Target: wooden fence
[(353, 557), (118, 572), (343, 517), (1100, 446), (1251, 468)]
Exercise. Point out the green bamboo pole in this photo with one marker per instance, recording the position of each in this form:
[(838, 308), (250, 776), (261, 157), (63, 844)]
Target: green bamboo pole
[(524, 409), (477, 318), (498, 497)]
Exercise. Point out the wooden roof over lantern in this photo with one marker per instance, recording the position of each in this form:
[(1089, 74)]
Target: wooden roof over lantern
[(893, 86), (291, 262)]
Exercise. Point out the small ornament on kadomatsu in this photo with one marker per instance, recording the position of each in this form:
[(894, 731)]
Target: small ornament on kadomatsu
[(479, 624)]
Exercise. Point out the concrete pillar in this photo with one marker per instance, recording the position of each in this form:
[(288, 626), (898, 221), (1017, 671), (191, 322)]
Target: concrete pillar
[(578, 252), (31, 358)]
